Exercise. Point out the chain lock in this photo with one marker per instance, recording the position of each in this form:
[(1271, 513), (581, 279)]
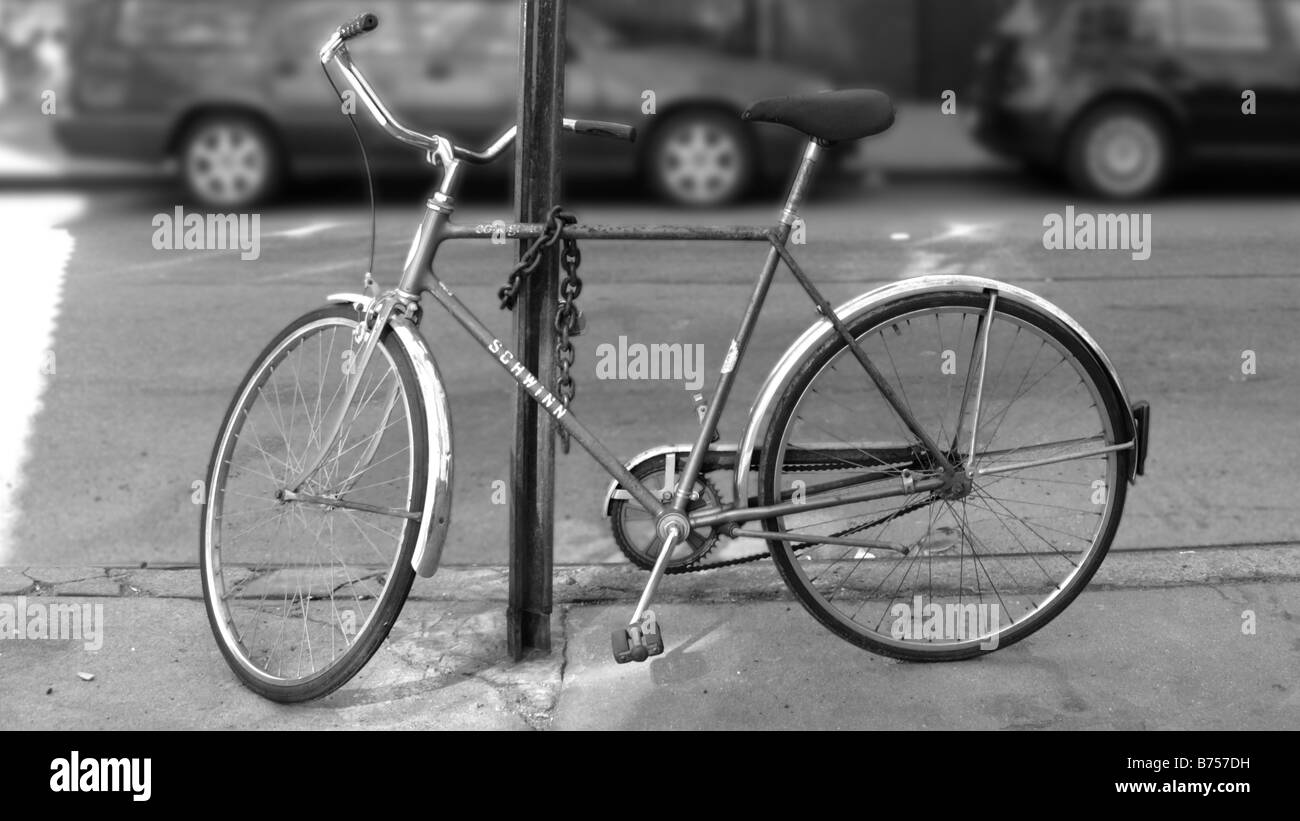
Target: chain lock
[(569, 321)]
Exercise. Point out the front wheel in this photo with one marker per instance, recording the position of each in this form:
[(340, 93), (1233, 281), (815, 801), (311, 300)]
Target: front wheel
[(932, 575), (302, 585)]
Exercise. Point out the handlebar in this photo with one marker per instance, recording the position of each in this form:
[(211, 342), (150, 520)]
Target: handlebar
[(335, 51), (361, 24), (597, 128)]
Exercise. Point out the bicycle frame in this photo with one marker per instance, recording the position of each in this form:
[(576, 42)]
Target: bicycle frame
[(419, 276), (939, 474)]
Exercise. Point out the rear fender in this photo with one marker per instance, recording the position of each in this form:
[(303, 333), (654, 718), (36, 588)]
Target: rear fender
[(783, 373)]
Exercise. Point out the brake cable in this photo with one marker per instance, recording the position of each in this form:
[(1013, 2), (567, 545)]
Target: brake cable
[(370, 180)]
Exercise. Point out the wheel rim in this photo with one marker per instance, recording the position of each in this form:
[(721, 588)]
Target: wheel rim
[(1013, 545), (295, 588), (227, 164), (1125, 155), (701, 163)]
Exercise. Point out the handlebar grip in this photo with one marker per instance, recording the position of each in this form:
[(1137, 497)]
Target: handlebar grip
[(359, 25), (596, 128)]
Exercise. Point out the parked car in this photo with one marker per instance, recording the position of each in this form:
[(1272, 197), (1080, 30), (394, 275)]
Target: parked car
[(1121, 94), (234, 93)]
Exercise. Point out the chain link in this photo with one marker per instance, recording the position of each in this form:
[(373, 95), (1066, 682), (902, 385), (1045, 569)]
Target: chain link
[(556, 220), (568, 317), (568, 323)]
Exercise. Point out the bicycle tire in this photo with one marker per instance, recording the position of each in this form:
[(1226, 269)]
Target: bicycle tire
[(807, 372), (400, 574)]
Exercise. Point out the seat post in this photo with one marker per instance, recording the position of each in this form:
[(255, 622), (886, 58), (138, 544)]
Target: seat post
[(802, 179)]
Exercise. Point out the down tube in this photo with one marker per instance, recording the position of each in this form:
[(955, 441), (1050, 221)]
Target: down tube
[(550, 403)]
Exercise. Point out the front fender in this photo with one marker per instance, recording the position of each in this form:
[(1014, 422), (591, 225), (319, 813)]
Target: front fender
[(436, 518), (780, 377)]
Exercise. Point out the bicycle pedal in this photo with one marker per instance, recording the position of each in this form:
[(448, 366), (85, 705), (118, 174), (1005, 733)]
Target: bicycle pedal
[(639, 641)]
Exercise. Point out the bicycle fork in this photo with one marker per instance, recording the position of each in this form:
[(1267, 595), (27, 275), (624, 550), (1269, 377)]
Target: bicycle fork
[(333, 425)]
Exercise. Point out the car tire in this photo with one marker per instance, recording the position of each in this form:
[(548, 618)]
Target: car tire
[(229, 161), (700, 158), (1120, 151)]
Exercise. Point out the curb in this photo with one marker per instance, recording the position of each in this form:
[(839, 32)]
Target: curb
[(596, 584)]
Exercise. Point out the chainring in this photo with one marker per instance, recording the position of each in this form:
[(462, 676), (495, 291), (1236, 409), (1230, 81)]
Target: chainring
[(634, 528)]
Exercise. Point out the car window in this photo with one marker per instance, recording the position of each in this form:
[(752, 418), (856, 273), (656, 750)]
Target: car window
[(1153, 22), (469, 28), (176, 23), (1022, 19), (1141, 22), (1291, 11), (1223, 25)]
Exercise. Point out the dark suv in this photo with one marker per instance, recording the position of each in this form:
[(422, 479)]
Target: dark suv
[(1118, 94), (233, 92)]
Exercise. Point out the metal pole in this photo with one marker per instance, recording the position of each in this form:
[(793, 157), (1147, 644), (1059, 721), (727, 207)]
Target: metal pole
[(532, 460)]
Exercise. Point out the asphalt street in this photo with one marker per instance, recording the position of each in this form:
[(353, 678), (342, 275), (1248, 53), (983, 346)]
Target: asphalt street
[(138, 350)]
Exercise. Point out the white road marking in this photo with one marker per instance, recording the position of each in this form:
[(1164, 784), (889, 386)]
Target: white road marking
[(306, 230), (30, 227), (922, 261)]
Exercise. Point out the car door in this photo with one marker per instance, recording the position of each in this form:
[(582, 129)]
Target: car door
[(463, 80), (1224, 48), (463, 74), (1289, 96)]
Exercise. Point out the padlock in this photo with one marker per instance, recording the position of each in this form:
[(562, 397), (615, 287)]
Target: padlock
[(578, 326)]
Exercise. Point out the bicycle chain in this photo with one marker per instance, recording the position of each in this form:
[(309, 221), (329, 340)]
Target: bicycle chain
[(758, 557)]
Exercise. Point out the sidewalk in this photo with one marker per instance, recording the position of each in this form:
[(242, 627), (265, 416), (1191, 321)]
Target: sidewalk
[(1156, 642)]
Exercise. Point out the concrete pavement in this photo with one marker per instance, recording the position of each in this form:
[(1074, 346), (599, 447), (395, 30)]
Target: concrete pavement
[(1156, 642)]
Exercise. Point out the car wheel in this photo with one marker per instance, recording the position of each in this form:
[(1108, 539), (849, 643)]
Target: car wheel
[(1120, 151), (229, 161), (700, 159)]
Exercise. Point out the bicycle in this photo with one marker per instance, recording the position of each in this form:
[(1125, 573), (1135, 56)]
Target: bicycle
[(930, 458)]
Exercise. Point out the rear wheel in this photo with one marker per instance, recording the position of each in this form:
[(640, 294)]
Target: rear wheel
[(945, 576), (300, 594)]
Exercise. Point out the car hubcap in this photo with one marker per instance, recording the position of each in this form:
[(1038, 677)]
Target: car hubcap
[(227, 164), (701, 163), (1124, 155)]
